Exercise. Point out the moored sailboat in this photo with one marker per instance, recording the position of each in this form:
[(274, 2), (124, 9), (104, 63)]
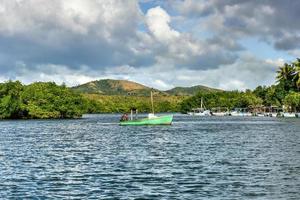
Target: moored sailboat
[(220, 112), (289, 114), (240, 112), (200, 111)]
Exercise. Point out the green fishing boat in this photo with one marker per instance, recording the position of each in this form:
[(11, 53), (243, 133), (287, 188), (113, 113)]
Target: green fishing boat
[(150, 120), (153, 120)]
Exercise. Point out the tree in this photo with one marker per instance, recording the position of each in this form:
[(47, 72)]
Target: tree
[(48, 100), (285, 76), (292, 101), (296, 74), (10, 102)]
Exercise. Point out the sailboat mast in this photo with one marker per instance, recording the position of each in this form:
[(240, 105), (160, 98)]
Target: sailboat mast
[(152, 102), (201, 103)]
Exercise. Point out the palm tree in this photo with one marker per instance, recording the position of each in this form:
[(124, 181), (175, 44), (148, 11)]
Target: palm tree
[(296, 74), (285, 72), (285, 76)]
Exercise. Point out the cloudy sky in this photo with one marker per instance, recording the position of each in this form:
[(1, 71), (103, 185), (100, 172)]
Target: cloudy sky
[(228, 44)]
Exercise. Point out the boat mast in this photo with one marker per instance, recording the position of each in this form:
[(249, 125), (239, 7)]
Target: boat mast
[(152, 102), (201, 103)]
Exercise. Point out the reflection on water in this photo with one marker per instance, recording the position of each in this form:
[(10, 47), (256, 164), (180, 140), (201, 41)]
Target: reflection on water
[(216, 158)]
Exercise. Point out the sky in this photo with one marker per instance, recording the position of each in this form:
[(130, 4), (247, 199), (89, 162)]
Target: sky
[(226, 44)]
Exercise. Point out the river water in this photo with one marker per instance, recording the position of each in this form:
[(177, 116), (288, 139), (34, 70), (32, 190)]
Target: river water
[(195, 158)]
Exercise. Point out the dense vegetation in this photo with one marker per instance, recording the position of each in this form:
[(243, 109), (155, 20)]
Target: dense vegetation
[(225, 99), (39, 100), (189, 91), (121, 104), (285, 93)]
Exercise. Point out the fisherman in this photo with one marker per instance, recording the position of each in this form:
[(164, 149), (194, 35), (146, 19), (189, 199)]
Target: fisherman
[(124, 117)]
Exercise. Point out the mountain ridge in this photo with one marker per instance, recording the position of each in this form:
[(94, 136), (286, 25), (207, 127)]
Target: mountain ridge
[(126, 87)]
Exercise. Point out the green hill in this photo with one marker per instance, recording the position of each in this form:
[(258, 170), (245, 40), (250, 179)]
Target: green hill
[(188, 91), (124, 87), (115, 87)]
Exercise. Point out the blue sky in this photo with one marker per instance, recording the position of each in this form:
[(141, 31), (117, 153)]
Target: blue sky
[(224, 44)]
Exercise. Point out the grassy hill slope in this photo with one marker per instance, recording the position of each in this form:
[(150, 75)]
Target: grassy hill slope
[(189, 91), (115, 87)]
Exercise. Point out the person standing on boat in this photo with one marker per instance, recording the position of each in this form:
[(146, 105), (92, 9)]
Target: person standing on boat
[(124, 117)]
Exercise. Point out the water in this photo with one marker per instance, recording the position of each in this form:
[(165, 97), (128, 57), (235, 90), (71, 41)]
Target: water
[(195, 158)]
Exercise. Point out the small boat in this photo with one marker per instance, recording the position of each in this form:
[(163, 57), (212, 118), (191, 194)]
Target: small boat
[(288, 114), (200, 111), (272, 114), (260, 114), (220, 112), (152, 119), (240, 112)]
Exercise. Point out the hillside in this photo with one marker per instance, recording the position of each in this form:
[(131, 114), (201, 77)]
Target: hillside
[(125, 87), (188, 91), (115, 87)]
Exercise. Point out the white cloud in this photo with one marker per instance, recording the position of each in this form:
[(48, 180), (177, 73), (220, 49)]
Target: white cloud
[(49, 72), (195, 8), (182, 49), (276, 62), (96, 33), (273, 21), (3, 79), (71, 15), (158, 21), (233, 84), (161, 84)]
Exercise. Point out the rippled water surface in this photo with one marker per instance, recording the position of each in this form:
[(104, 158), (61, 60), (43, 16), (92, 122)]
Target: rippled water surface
[(195, 158)]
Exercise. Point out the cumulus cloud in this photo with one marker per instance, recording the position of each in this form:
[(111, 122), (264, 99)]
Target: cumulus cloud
[(73, 33), (273, 21), (50, 72), (98, 34), (75, 41), (195, 8), (182, 49), (158, 23)]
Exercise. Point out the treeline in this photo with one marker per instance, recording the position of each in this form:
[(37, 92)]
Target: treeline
[(123, 104), (40, 101), (285, 93), (222, 99)]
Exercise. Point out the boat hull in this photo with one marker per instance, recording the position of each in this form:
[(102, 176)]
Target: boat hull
[(241, 114), (289, 114), (220, 114), (161, 120), (260, 115), (273, 114), (204, 113)]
